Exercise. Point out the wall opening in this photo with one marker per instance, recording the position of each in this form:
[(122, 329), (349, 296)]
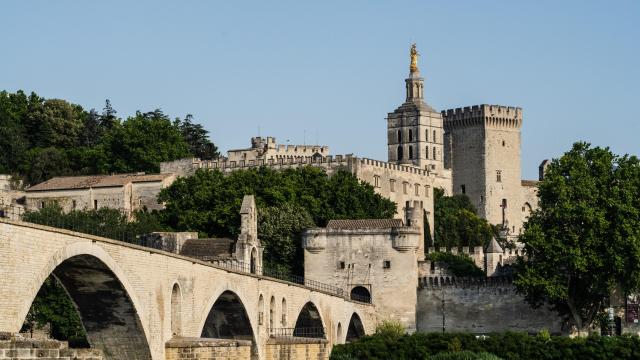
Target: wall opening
[(283, 321), (228, 319), (272, 312), (339, 334), (105, 309), (254, 260), (410, 152), (361, 293), (176, 311), (356, 329), (400, 155), (309, 323)]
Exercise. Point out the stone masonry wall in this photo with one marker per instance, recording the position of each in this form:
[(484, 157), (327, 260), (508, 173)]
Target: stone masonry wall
[(489, 305), (207, 349), (16, 347), (279, 350)]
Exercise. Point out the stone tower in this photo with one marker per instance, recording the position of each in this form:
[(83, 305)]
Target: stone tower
[(483, 150), (414, 130), (248, 247)]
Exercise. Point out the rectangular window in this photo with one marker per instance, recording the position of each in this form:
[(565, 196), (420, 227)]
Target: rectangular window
[(392, 185), (95, 204), (341, 265), (73, 203), (405, 186), (417, 186), (376, 181), (498, 175), (463, 189), (386, 264), (41, 204), (427, 189)]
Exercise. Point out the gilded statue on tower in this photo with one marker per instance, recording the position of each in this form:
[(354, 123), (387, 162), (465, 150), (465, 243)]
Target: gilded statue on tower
[(414, 59)]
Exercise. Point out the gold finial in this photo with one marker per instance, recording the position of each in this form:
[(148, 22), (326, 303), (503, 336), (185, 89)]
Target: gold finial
[(414, 59)]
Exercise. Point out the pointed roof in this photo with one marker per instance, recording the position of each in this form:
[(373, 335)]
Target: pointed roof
[(248, 203), (494, 247)]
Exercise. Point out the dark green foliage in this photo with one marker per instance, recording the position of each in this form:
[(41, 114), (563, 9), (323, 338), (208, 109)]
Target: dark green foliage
[(508, 346), (208, 202), (280, 228), (52, 306), (457, 223), (458, 265), (105, 222), (584, 239), (42, 138)]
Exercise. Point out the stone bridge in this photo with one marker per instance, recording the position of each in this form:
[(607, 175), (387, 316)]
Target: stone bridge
[(141, 303)]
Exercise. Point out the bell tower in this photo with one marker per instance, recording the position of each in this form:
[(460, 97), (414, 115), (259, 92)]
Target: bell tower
[(414, 130)]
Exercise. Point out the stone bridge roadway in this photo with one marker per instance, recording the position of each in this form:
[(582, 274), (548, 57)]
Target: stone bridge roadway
[(133, 299)]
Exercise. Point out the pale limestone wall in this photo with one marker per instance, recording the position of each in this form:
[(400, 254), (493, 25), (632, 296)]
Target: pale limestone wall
[(205, 349), (298, 351), (145, 194), (18, 348), (529, 200), (31, 252), (364, 252), (480, 308)]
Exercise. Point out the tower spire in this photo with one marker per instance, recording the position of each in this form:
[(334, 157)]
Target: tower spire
[(413, 66)]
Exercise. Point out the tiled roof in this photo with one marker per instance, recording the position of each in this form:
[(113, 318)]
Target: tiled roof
[(364, 224), (85, 182), (216, 248), (529, 182)]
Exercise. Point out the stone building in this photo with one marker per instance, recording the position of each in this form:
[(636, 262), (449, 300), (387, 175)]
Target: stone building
[(371, 260), (267, 149), (11, 198), (124, 192)]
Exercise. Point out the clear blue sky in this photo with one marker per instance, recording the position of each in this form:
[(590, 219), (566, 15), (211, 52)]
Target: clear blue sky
[(333, 69)]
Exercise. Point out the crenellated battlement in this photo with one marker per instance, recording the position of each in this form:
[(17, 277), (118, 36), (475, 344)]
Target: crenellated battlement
[(437, 282), (483, 115)]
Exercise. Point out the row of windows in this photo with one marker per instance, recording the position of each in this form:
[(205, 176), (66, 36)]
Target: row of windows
[(426, 136), (405, 186), (426, 151)]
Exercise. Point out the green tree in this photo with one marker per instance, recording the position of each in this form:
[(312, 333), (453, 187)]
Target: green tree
[(141, 142), (457, 223), (208, 201), (280, 228), (198, 139), (584, 239)]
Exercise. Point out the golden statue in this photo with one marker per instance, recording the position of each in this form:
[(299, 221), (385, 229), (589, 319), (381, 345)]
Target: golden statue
[(414, 59)]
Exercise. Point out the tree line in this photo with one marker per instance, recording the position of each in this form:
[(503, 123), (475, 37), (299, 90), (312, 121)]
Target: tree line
[(43, 138)]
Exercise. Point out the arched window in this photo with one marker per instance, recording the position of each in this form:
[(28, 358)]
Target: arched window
[(272, 312), (417, 188), (399, 136), (399, 152), (176, 311), (410, 135), (361, 293), (283, 322), (410, 152)]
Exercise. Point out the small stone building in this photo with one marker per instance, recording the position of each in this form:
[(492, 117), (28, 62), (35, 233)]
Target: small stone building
[(124, 192)]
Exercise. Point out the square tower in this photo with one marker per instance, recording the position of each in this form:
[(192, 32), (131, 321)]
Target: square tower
[(414, 130), (483, 150)]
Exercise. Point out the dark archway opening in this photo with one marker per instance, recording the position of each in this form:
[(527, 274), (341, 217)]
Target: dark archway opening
[(105, 310), (361, 293), (356, 329), (309, 323), (228, 319)]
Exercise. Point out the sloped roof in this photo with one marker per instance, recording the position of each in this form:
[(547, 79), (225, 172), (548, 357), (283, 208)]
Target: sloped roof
[(208, 248), (364, 224), (494, 247), (85, 182)]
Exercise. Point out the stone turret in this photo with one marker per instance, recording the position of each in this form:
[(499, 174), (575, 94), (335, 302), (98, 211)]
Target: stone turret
[(414, 217), (493, 257), (248, 247)]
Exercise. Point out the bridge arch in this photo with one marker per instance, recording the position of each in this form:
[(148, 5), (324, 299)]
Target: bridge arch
[(355, 329), (309, 322), (228, 319), (105, 300)]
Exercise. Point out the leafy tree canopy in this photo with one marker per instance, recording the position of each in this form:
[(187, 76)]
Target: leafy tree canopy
[(457, 223), (583, 241), (42, 138)]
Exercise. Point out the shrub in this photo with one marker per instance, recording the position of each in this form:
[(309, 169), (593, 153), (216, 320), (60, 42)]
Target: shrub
[(390, 329), (464, 355)]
